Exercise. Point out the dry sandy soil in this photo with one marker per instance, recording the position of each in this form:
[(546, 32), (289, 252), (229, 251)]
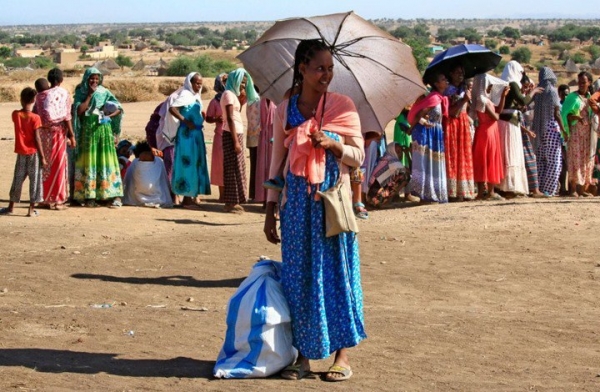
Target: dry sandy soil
[(494, 296)]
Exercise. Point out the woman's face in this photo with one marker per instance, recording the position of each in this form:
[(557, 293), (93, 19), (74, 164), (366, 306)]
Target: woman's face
[(583, 83), (562, 93), (317, 74), (442, 83), (457, 75), (197, 83), (94, 81), (243, 86)]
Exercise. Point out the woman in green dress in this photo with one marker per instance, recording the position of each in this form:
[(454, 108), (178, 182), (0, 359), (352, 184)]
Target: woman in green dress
[(97, 126)]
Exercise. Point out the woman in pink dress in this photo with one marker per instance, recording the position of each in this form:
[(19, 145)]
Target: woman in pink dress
[(577, 113), (214, 115), (487, 155), (265, 147), (54, 107)]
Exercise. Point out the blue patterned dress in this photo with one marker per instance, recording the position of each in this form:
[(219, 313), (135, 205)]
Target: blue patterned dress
[(190, 169), (320, 276), (428, 177)]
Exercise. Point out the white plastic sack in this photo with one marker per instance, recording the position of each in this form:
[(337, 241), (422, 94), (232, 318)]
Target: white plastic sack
[(258, 341)]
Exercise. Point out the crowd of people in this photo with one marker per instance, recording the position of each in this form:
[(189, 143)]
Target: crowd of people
[(487, 138)]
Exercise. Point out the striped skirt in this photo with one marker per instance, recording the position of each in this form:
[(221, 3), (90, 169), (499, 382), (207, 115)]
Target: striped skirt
[(530, 163), (234, 171)]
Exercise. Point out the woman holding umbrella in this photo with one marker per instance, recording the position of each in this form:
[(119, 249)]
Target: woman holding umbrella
[(457, 138), (319, 134), (428, 178)]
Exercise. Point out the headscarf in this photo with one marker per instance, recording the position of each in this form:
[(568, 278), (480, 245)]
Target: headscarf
[(101, 96), (596, 86), (183, 96), (219, 87), (513, 72), (545, 101), (234, 81), (480, 95), (340, 116), (390, 149)]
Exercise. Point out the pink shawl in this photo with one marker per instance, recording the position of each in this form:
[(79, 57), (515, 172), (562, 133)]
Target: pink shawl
[(340, 117), (431, 100), (53, 105)]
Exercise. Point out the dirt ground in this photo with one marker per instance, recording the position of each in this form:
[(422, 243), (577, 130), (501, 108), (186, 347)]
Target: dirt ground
[(494, 296)]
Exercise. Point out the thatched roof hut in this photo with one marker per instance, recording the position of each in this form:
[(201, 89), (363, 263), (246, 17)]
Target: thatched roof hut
[(571, 67), (139, 66)]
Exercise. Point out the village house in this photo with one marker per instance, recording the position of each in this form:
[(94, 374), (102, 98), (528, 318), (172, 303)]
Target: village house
[(66, 57)]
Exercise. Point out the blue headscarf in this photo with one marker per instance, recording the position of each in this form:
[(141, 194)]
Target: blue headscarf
[(234, 81)]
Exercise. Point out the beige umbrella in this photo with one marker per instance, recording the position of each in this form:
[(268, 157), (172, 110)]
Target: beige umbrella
[(372, 67)]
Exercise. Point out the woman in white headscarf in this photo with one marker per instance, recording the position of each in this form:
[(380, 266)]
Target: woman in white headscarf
[(515, 173), (488, 167), (181, 126)]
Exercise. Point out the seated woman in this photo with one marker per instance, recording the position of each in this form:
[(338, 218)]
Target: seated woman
[(146, 182), (388, 177)]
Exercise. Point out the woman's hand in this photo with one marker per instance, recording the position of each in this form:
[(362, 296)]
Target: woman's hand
[(506, 91), (238, 147), (319, 139), (189, 124), (536, 91), (71, 142), (270, 227)]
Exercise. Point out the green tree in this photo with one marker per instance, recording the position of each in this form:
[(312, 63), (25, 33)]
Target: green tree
[(521, 54), (233, 34), (84, 49), (578, 58), (504, 49), (124, 61), (511, 32), (5, 52), (92, 40), (491, 43), (43, 62), (420, 51), (181, 66)]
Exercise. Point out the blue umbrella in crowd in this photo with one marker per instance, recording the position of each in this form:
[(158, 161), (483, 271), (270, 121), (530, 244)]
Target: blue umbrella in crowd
[(475, 59)]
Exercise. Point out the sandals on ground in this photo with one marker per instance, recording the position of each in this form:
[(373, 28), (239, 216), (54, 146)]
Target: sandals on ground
[(346, 373), (294, 372), (360, 211), (5, 211)]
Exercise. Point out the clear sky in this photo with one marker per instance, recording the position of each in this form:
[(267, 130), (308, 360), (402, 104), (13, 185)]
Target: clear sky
[(127, 11)]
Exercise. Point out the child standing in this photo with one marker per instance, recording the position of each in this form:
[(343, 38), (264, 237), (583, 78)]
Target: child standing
[(29, 154)]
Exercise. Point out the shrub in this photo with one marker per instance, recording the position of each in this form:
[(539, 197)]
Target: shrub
[(578, 58), (522, 55), (500, 67), (167, 87), (181, 66), (204, 64), (124, 61), (504, 49), (491, 43)]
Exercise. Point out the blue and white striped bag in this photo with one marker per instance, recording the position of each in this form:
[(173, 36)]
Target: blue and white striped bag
[(258, 341)]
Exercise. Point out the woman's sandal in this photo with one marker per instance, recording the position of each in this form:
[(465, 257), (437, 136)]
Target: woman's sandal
[(91, 204), (346, 373), (360, 211), (116, 204), (294, 372), (5, 211)]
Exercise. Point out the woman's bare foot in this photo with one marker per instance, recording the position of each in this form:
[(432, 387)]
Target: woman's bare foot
[(340, 370)]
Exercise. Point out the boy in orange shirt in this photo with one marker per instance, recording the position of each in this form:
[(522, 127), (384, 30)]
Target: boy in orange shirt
[(29, 153)]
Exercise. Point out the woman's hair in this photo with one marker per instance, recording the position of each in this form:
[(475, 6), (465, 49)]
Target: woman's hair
[(141, 147), (590, 79), (305, 52), (55, 76), (525, 79)]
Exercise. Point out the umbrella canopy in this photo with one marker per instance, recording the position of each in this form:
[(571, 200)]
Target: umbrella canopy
[(376, 70), (475, 59)]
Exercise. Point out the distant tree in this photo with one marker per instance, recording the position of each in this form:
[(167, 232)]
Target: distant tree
[(445, 35), (511, 32), (493, 33), (17, 62), (504, 49), (471, 34), (251, 36), (181, 66), (421, 30), (124, 61), (233, 34), (594, 51), (5, 52), (382, 27), (402, 32), (578, 58), (84, 49), (500, 66), (216, 42), (420, 51), (203, 31), (521, 54), (491, 43), (43, 62), (69, 39), (92, 40)]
